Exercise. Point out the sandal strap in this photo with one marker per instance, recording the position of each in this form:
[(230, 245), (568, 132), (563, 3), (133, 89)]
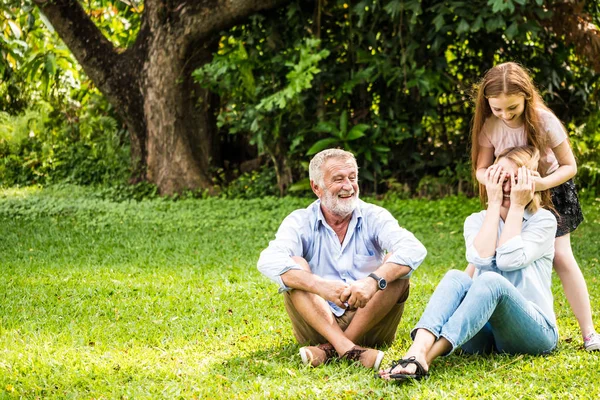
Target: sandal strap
[(329, 350), (403, 362), (354, 354)]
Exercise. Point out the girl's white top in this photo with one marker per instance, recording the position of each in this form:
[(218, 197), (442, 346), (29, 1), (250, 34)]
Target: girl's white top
[(499, 136)]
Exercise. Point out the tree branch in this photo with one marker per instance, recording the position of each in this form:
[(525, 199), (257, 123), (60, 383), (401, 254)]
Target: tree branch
[(115, 73), (91, 48), (203, 18)]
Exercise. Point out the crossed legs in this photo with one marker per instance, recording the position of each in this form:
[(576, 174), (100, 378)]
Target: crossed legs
[(315, 311), (460, 309)]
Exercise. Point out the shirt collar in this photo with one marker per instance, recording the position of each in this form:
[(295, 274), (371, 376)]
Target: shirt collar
[(356, 214)]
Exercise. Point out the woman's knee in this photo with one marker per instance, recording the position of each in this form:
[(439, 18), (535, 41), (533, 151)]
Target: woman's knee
[(457, 275), (491, 282), (490, 277), (455, 278)]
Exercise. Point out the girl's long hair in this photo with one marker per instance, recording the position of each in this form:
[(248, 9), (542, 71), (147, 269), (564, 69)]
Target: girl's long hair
[(529, 157), (509, 79)]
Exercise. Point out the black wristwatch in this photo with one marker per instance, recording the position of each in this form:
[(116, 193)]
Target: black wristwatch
[(381, 283)]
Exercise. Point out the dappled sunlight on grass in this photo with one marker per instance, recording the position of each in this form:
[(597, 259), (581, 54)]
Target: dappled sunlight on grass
[(162, 299), (19, 192)]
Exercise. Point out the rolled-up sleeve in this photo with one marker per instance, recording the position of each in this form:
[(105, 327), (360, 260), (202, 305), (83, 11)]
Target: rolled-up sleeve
[(276, 259), (406, 249), (535, 240), (471, 229)]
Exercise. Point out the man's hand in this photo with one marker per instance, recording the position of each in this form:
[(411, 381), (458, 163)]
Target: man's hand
[(358, 294), (333, 291)]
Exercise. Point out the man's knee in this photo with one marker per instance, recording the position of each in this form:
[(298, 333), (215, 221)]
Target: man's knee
[(304, 332), (402, 288), (302, 262)]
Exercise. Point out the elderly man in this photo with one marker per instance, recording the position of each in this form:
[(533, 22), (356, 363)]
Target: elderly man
[(341, 288)]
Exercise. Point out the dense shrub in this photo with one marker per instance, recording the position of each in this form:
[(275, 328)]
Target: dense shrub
[(79, 145), (392, 82)]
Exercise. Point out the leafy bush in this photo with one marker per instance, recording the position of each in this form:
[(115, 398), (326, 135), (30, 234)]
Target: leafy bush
[(78, 145), (586, 145), (401, 73), (251, 185), (54, 125)]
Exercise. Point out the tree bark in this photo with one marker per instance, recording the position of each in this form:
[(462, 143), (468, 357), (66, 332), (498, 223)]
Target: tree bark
[(182, 142), (170, 119)]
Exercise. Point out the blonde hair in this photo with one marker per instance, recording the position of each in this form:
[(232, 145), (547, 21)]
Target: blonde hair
[(529, 157), (509, 79), (315, 170)]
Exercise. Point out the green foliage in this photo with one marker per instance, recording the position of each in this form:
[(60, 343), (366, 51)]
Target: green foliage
[(298, 79), (251, 185), (390, 80), (339, 135), (54, 125), (260, 95), (76, 145), (125, 192), (34, 64), (162, 299), (586, 144), (402, 71)]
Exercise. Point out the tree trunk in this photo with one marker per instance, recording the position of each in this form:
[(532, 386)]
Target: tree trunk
[(174, 142), (182, 141)]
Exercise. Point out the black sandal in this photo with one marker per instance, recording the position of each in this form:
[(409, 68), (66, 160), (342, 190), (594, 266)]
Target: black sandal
[(420, 373)]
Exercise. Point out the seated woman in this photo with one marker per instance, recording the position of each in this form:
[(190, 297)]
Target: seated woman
[(507, 306)]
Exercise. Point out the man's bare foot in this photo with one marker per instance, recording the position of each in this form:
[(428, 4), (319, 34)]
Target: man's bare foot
[(408, 368)]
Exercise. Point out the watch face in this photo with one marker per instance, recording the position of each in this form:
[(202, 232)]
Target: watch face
[(382, 284)]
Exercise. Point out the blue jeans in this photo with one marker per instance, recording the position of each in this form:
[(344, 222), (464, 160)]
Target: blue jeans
[(486, 314)]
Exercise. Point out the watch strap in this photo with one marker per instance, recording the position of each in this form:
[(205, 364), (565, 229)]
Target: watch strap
[(379, 281)]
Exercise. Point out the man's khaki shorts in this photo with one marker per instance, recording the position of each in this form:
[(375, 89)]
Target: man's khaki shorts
[(383, 333)]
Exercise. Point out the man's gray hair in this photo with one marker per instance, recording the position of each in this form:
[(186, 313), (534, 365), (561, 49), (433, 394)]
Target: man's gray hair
[(315, 170)]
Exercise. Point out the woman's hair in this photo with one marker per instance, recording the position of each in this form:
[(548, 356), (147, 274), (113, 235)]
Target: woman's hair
[(509, 79), (529, 157)]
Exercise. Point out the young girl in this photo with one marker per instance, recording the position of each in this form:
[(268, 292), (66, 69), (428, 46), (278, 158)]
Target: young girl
[(507, 306), (510, 112)]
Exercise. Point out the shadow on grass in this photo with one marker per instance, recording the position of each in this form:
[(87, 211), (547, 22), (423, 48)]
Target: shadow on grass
[(277, 360)]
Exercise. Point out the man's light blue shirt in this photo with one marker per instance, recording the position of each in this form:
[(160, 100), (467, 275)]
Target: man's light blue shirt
[(525, 260), (372, 232)]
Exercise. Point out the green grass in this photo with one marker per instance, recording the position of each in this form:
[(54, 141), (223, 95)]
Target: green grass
[(162, 299)]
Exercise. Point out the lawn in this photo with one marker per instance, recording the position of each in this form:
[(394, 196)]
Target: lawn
[(162, 299)]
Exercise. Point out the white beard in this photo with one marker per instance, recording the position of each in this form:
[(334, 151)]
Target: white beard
[(337, 206)]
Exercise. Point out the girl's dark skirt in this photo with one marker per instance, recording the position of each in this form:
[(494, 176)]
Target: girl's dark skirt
[(568, 210)]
